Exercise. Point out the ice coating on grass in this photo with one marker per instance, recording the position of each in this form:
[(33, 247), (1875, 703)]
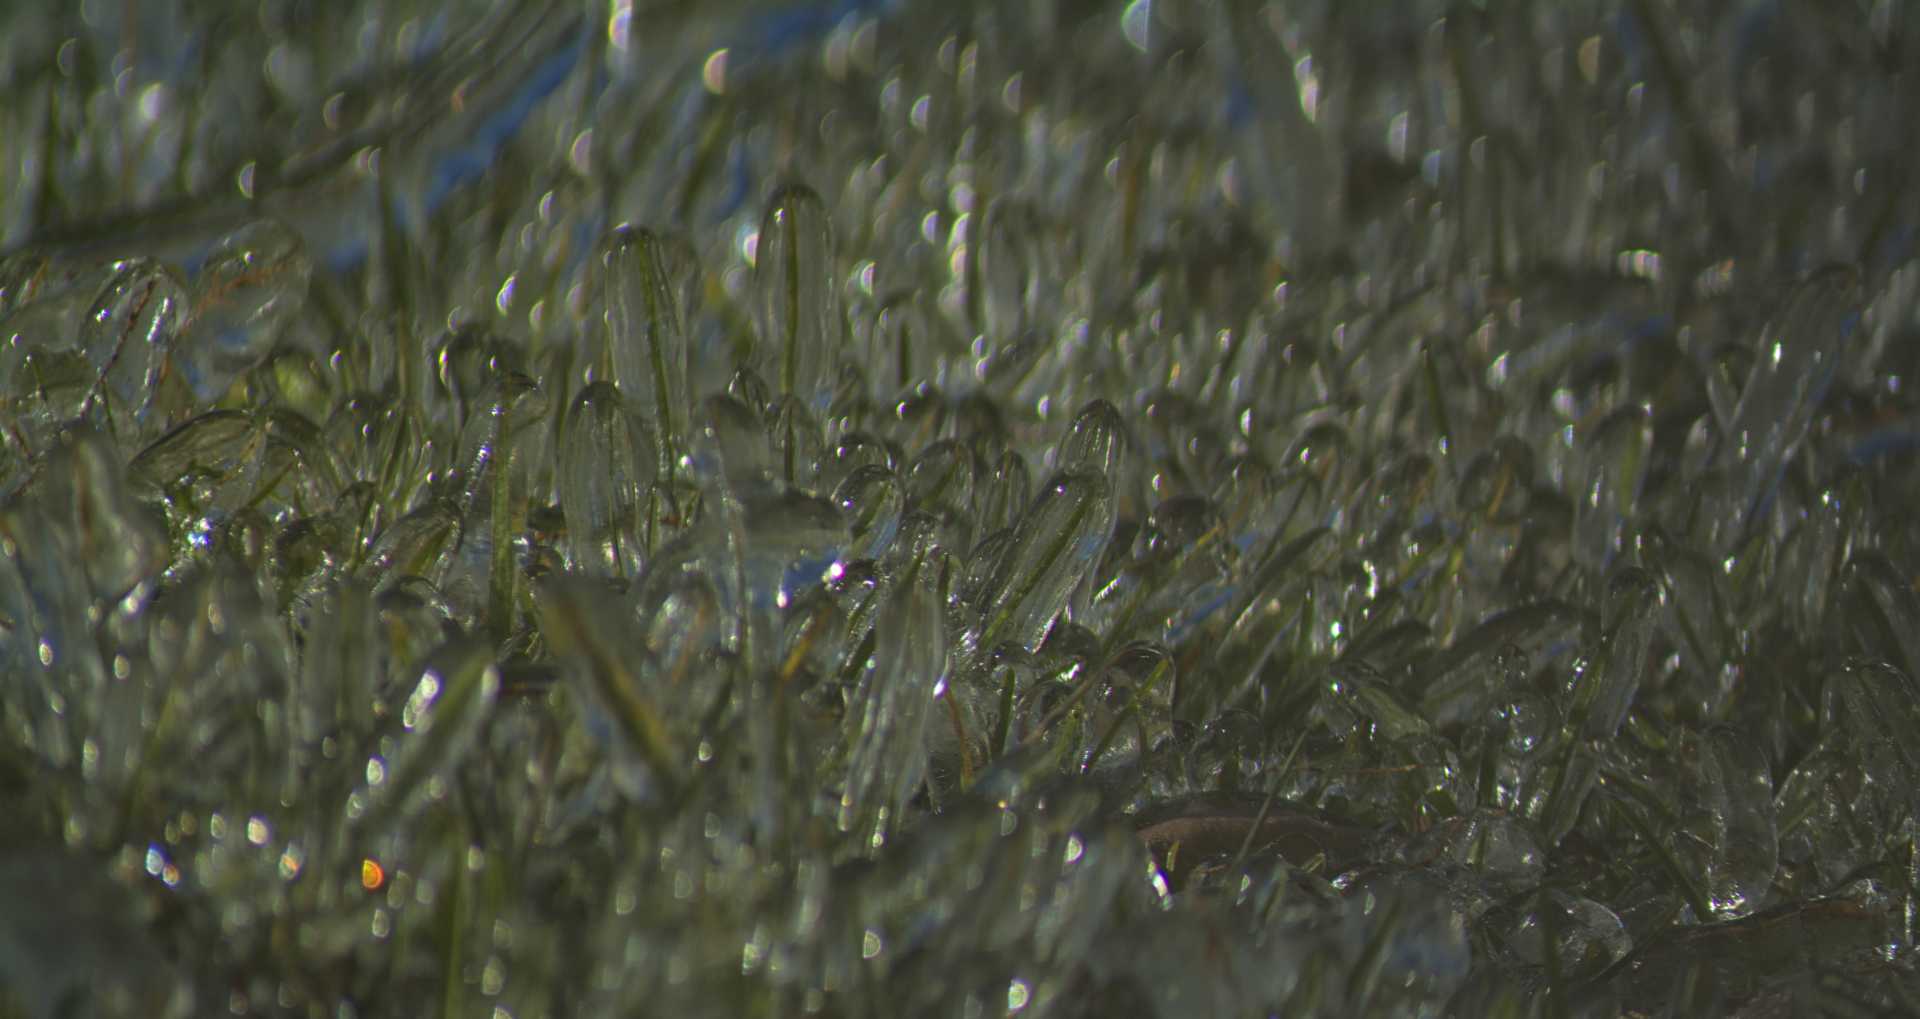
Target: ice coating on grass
[(604, 461), (893, 704), (872, 501), (440, 718), (1001, 508), (132, 326), (1628, 621), (1583, 936), (1011, 271), (1798, 354), (1054, 546), (797, 302), (646, 337), (251, 286), (1613, 465), (1727, 830)]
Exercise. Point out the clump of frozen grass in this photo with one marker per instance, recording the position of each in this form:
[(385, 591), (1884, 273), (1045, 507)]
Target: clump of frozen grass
[(1018, 508)]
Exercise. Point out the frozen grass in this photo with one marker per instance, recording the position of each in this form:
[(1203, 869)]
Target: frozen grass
[(1042, 508)]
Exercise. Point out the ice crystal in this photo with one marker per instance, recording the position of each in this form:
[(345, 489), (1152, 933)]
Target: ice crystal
[(1170, 507)]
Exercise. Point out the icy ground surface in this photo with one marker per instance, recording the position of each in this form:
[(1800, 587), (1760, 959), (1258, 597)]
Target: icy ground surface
[(1029, 507)]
